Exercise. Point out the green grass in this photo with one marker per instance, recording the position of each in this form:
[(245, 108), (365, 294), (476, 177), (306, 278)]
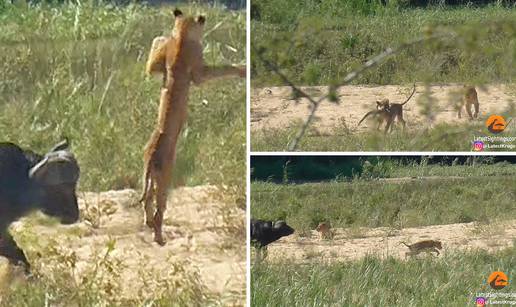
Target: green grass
[(442, 137), (486, 192), (78, 71), (388, 169), (288, 169), (452, 280), (318, 42)]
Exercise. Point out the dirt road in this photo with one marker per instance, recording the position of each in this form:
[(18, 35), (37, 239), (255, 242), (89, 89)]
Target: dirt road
[(357, 243), (205, 244), (272, 108)]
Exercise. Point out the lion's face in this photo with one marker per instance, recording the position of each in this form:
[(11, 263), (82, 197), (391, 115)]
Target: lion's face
[(382, 104)]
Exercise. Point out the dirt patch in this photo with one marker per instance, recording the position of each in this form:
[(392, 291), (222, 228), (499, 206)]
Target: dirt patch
[(203, 246), (272, 108), (383, 242)]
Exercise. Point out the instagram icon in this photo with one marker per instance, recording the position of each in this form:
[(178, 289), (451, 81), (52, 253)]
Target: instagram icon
[(481, 301), (478, 145)]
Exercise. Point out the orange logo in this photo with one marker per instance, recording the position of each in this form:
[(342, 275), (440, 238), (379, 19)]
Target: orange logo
[(498, 280), (496, 124)]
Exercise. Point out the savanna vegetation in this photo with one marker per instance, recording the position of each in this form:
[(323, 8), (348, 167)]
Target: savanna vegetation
[(321, 42), (360, 195), (76, 69), (453, 280), (292, 169), (441, 137), (360, 198)]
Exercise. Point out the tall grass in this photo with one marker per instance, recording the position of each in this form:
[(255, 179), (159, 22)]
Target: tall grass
[(366, 202), (77, 70), (483, 192), (453, 280), (101, 283), (318, 42), (440, 137)]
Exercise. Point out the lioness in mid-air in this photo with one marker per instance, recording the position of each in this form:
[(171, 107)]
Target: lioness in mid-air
[(180, 59), (388, 112), (470, 98), (423, 246)]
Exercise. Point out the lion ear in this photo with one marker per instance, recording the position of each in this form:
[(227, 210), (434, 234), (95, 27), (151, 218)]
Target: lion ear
[(177, 12), (201, 19)]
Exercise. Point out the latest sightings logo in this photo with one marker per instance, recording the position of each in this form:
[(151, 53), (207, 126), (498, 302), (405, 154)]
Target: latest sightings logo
[(496, 124), (478, 145), (498, 280)]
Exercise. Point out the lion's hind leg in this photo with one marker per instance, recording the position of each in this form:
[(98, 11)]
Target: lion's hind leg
[(148, 193), (149, 201), (388, 126), (163, 180), (400, 119), (162, 184), (149, 181)]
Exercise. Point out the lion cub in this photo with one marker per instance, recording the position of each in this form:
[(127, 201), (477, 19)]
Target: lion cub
[(427, 246), (470, 99), (381, 117), (325, 231), (388, 112)]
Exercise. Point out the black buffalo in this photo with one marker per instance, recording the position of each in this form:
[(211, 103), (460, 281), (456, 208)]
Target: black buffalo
[(265, 232), (29, 182)]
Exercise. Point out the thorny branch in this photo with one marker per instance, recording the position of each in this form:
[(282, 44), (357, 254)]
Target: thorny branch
[(299, 93)]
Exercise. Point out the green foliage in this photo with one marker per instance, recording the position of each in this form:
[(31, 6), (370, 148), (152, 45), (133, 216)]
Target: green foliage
[(379, 168), (442, 137), (363, 202), (77, 70), (318, 42), (450, 281), (302, 168)]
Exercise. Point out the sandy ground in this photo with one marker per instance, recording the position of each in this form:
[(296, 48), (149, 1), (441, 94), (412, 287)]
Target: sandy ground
[(272, 108), (383, 242), (200, 242)]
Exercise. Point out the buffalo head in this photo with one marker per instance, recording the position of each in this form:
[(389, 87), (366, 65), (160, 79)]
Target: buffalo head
[(56, 175)]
